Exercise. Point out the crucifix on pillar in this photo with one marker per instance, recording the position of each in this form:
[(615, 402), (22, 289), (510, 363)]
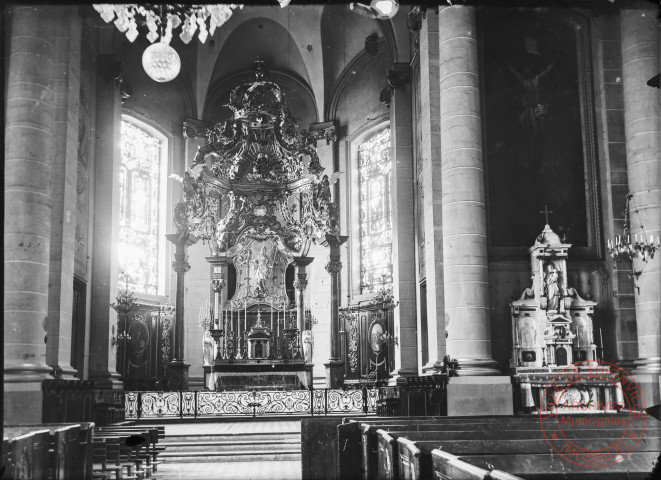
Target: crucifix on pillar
[(178, 368)]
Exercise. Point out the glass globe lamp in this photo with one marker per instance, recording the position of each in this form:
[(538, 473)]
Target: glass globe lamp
[(161, 62)]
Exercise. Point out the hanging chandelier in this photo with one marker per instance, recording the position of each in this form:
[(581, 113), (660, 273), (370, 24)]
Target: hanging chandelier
[(160, 61), (261, 173), (628, 246)]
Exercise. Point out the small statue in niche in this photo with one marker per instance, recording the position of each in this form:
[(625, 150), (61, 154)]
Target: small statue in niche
[(551, 287), (207, 348)]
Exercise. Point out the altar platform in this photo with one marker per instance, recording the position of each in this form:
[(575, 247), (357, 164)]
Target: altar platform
[(258, 374)]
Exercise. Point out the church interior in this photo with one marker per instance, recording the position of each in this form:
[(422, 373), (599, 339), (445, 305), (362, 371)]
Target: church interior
[(446, 213)]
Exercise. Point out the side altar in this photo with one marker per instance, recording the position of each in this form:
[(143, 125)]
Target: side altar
[(255, 193), (553, 340)]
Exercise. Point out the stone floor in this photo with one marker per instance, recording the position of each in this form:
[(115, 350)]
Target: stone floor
[(282, 470), (254, 470), (247, 426)]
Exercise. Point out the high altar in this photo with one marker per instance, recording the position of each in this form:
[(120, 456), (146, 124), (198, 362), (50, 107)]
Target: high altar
[(552, 334), (256, 194)]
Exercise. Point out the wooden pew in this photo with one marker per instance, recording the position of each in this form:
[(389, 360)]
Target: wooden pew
[(447, 466), (103, 465), (66, 458), (155, 434), (415, 457), (126, 456), (635, 465), (137, 454), (387, 452), (28, 453), (151, 434), (358, 446), (70, 453), (356, 441)]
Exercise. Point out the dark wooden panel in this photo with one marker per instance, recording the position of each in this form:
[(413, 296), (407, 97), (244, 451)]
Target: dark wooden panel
[(349, 451), (319, 448)]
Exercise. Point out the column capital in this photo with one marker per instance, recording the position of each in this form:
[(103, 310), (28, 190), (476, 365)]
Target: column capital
[(302, 261), (181, 266), (181, 240), (334, 267), (334, 240)]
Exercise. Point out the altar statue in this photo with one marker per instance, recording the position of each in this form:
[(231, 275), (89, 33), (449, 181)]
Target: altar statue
[(308, 345), (552, 288), (262, 269), (207, 348)]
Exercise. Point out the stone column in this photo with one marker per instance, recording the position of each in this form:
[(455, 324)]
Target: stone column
[(463, 202), (178, 368), (300, 284), (28, 168), (105, 266), (403, 253), (335, 365), (66, 84), (640, 62), (430, 188)]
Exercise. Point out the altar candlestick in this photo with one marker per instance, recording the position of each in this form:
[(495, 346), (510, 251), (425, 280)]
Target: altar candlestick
[(271, 315), (245, 315)]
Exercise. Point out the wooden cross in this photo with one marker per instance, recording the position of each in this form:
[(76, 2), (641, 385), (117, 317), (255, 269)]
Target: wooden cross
[(546, 212)]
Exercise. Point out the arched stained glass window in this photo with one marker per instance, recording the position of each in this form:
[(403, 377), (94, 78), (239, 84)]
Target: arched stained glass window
[(139, 209), (375, 212)]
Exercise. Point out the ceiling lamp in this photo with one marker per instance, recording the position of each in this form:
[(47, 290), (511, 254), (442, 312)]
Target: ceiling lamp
[(379, 9), (162, 63)]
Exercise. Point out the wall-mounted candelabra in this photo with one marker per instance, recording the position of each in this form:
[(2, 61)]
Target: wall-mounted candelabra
[(643, 247), (125, 305)]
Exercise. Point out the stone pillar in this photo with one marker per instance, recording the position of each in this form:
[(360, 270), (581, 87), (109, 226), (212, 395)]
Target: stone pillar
[(335, 365), (178, 368), (28, 168), (66, 85), (105, 263), (300, 284), (640, 62), (403, 253), (463, 203), (430, 189)]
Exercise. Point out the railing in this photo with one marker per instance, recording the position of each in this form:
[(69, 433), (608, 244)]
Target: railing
[(194, 404)]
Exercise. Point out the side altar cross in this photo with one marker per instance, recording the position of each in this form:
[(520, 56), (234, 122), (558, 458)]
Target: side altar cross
[(546, 212)]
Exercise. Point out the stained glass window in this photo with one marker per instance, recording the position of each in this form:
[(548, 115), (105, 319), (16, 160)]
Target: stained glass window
[(139, 199), (375, 219)]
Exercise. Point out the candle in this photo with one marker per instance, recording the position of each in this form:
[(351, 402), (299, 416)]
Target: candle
[(601, 341), (245, 315)]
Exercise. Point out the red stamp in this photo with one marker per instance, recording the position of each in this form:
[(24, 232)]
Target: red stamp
[(593, 414)]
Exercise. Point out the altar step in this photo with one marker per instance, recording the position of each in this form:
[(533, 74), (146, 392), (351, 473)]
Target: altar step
[(232, 447)]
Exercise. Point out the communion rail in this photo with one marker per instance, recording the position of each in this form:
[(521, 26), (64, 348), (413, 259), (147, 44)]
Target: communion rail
[(195, 404)]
